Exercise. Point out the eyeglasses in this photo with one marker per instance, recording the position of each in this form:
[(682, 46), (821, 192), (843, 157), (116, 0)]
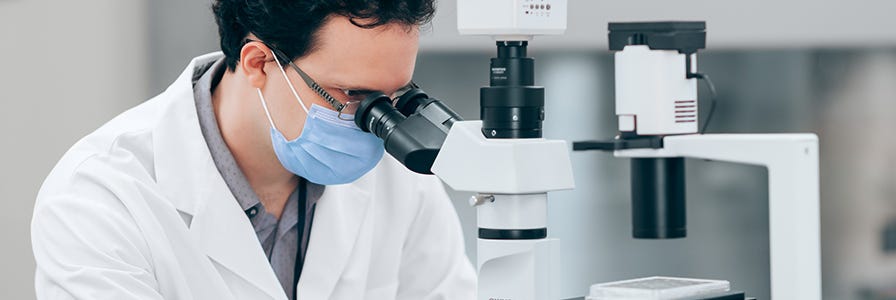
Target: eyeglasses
[(346, 110)]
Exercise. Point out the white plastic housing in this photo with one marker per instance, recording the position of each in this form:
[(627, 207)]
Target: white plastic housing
[(519, 173), (793, 192), (470, 162), (653, 94), (514, 269), (511, 19), (524, 211)]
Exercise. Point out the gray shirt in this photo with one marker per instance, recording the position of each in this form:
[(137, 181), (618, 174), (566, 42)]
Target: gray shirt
[(280, 239)]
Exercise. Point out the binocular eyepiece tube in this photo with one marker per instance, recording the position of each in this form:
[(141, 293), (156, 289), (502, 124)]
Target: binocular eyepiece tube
[(412, 130)]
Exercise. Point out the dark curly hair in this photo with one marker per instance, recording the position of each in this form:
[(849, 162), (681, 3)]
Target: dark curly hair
[(291, 26)]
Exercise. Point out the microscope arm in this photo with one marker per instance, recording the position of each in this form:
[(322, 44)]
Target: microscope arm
[(792, 162)]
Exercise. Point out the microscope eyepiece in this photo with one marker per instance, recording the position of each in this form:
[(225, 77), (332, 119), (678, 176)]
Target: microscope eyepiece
[(376, 115), (410, 101), (412, 131)]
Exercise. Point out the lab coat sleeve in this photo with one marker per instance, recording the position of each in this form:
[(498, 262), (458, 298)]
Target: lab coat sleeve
[(88, 246), (434, 264)]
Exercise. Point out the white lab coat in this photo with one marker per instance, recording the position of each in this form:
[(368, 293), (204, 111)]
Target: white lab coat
[(138, 210)]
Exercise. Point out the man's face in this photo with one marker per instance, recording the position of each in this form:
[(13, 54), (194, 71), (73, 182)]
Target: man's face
[(345, 58)]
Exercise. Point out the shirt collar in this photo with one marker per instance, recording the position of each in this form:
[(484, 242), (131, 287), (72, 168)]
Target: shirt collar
[(204, 79)]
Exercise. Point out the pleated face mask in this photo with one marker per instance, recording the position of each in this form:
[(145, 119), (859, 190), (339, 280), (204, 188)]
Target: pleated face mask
[(330, 150)]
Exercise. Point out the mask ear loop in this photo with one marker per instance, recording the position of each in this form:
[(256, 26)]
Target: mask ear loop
[(291, 88), (264, 104)]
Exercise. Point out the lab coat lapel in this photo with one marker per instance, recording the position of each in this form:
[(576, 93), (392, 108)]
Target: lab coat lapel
[(341, 211), (227, 236), (188, 177)]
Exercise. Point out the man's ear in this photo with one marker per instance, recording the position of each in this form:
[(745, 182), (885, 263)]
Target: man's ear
[(253, 58)]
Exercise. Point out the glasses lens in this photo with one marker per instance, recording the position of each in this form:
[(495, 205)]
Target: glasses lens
[(349, 108)]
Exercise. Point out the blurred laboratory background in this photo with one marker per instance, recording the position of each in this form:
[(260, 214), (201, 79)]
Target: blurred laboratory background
[(821, 66)]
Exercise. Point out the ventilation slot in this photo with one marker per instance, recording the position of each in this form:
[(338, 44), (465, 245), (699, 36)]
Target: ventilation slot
[(686, 111)]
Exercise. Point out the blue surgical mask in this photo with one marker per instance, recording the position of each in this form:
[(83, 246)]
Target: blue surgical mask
[(329, 150)]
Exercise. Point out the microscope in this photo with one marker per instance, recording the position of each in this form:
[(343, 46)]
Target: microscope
[(504, 160), (657, 113)]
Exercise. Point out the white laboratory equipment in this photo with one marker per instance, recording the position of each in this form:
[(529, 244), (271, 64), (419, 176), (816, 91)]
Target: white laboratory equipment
[(661, 288), (510, 168), (503, 158), (656, 106)]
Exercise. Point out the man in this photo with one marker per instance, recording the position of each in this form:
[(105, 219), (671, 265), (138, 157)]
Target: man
[(246, 178)]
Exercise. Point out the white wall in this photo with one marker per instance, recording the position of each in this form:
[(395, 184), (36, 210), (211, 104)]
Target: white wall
[(730, 24), (860, 156), (68, 66)]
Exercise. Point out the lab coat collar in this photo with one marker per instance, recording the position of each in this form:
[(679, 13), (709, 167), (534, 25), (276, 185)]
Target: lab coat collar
[(182, 159), (188, 176)]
